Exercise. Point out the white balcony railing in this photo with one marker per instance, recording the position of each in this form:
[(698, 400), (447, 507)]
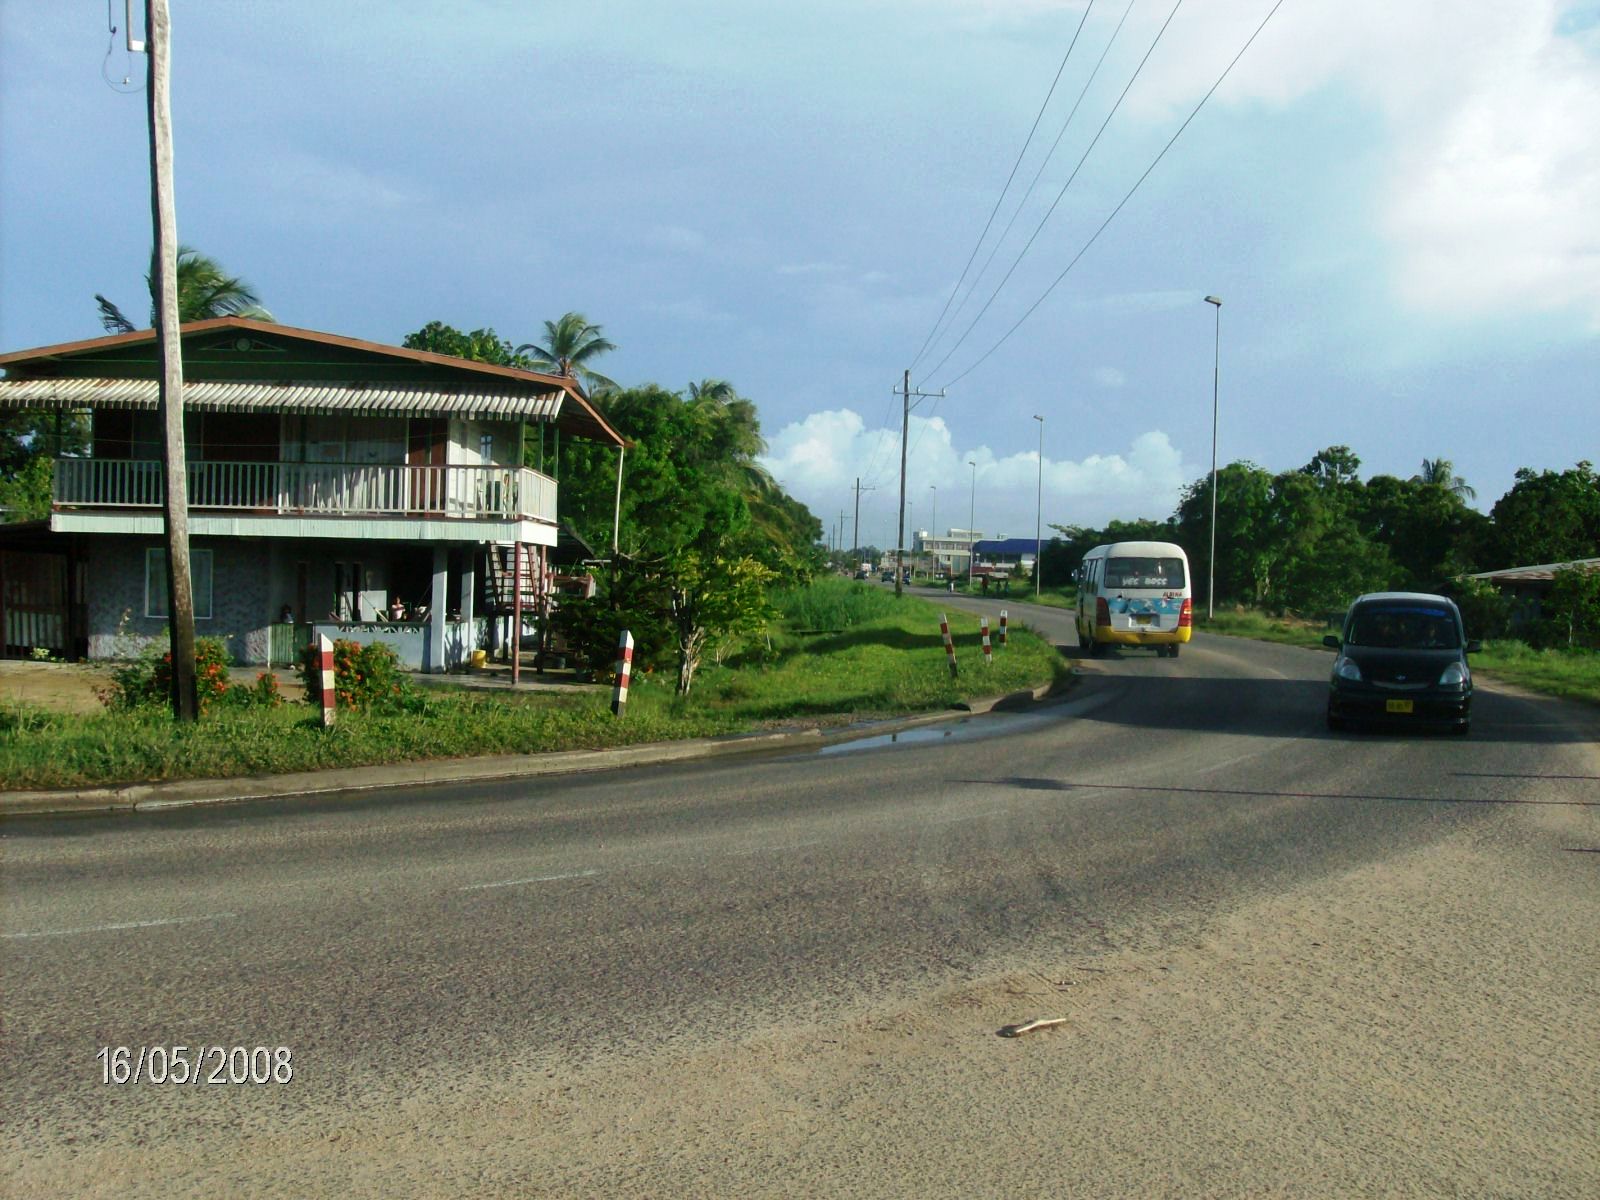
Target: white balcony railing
[(314, 489)]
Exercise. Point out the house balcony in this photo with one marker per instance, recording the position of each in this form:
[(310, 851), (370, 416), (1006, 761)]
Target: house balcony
[(311, 499)]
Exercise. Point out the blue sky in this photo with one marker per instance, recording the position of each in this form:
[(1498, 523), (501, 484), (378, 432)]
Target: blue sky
[(1396, 201)]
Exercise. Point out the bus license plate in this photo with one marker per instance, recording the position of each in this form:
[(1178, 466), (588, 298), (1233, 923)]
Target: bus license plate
[(1143, 618), (1398, 706)]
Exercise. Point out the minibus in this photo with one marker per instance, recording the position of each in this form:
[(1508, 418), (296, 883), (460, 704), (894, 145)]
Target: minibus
[(1135, 594)]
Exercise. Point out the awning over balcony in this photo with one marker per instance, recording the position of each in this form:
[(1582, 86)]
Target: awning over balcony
[(391, 400)]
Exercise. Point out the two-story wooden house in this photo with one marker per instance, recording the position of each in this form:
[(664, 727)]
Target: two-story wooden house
[(377, 492)]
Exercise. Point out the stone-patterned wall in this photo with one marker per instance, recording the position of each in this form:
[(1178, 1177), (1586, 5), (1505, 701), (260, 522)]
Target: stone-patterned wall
[(240, 579)]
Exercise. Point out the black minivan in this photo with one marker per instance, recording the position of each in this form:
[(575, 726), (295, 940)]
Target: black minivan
[(1402, 660)]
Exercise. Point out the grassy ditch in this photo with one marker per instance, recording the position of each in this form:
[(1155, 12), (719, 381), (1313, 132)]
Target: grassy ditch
[(839, 651), (1570, 674)]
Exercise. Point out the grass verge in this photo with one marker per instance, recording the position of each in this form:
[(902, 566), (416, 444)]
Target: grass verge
[(1570, 674), (867, 655)]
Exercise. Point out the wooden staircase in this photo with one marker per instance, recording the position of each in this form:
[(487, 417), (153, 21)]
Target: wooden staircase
[(503, 582)]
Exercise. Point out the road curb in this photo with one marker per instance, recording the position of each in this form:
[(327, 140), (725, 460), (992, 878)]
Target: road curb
[(193, 793)]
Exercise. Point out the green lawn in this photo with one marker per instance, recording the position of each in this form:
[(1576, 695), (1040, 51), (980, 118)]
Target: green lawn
[(875, 657)]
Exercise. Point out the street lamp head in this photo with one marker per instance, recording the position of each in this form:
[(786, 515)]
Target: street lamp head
[(1038, 418), (1217, 300)]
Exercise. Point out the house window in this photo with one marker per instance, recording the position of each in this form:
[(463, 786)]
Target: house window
[(155, 583)]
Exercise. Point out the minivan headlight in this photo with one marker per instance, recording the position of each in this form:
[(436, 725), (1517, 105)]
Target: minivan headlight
[(1455, 675), (1346, 668)]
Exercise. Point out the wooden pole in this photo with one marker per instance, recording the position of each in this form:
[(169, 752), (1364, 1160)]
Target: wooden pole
[(169, 354), (516, 613)]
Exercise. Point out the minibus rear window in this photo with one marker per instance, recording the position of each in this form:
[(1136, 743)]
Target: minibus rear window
[(1145, 573)]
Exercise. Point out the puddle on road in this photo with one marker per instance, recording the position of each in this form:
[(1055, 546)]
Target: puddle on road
[(959, 730)]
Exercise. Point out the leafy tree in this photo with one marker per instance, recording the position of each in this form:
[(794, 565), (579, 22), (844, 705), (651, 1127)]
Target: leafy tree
[(205, 291), (1552, 516), (1246, 553), (1333, 466), (25, 494), (30, 441), (481, 345), (1442, 471), (570, 345), (1429, 532), (709, 597), (1572, 608), (1485, 610)]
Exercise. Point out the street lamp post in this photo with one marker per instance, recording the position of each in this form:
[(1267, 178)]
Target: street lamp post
[(1216, 372), (933, 524), (972, 509), (1038, 518)]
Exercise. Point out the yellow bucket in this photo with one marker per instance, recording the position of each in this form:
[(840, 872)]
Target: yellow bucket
[(480, 659)]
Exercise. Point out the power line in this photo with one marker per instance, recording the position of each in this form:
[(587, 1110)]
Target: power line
[(1096, 235), (1037, 175), (1061, 194), (1000, 199)]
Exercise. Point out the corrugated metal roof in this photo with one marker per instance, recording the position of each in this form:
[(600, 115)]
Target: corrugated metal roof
[(1538, 573), (414, 399)]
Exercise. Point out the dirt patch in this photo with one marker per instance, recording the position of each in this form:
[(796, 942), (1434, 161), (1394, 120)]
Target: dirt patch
[(60, 687)]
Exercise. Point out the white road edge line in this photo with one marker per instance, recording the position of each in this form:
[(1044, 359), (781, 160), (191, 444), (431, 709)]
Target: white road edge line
[(121, 925), (500, 883)]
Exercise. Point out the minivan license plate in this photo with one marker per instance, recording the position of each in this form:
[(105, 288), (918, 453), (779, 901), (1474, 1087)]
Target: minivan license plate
[(1398, 706)]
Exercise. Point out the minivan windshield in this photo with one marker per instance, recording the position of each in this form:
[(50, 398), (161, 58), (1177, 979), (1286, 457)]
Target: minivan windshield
[(1404, 627), (1144, 573)]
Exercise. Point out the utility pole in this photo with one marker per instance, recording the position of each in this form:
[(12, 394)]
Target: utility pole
[(857, 534), (905, 428), (169, 357)]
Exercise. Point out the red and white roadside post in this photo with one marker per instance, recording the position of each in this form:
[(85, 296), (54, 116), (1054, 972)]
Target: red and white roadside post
[(949, 646), (988, 652), (619, 698), (1002, 627), (330, 697)]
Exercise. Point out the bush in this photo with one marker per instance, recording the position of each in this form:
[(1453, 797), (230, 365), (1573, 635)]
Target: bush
[(263, 693), (366, 678), (147, 680), (1485, 611)]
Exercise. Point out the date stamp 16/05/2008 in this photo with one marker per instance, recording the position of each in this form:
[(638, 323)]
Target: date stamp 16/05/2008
[(199, 1066)]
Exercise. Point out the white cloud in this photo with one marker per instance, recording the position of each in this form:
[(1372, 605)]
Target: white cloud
[(1491, 170), (1109, 377), (819, 458)]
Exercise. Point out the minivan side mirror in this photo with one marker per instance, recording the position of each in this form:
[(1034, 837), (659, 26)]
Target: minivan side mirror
[(1474, 646), (1331, 642)]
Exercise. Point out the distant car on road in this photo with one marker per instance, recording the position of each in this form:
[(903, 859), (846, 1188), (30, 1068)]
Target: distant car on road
[(1402, 660)]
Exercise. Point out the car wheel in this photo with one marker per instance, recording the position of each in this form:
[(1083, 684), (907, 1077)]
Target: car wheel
[(1172, 650), (1461, 729), (1337, 724)]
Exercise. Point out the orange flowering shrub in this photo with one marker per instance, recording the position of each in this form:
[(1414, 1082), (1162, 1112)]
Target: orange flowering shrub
[(367, 677)]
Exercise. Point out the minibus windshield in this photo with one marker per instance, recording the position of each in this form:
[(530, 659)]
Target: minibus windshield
[(1144, 573)]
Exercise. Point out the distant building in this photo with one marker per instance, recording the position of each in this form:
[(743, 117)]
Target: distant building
[(1528, 586), (999, 555), (948, 552)]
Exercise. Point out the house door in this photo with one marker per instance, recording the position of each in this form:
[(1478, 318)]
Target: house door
[(33, 604), (426, 440)]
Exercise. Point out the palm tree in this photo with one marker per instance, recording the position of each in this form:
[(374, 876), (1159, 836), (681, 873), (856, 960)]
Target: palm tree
[(1442, 472), (205, 291), (570, 344)]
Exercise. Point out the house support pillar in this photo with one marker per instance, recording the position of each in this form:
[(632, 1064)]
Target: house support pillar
[(516, 613), (469, 585), (438, 615)]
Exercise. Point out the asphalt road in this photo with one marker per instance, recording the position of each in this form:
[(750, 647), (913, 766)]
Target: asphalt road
[(409, 945)]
